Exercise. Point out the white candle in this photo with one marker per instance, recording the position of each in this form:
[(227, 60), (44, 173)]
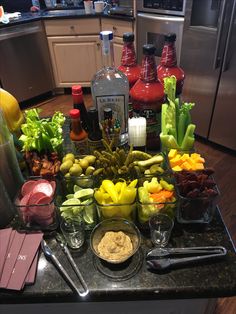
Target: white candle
[(137, 131)]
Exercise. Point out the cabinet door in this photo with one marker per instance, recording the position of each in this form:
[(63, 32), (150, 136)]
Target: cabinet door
[(118, 27), (75, 59), (118, 46)]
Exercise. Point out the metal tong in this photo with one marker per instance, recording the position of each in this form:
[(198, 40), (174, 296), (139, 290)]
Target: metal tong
[(49, 254), (164, 258)]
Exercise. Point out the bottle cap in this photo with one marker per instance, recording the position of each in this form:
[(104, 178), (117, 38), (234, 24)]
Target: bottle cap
[(106, 35), (171, 37), (74, 113), (128, 37), (77, 90), (149, 49), (107, 113)]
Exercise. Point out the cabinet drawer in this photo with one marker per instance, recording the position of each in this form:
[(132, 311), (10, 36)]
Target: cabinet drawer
[(72, 27), (118, 27)]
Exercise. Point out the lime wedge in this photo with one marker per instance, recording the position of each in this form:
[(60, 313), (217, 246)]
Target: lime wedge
[(71, 201), (88, 214), (77, 209), (68, 196), (84, 193), (76, 188)]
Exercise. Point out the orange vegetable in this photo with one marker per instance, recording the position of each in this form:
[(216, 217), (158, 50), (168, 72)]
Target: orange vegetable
[(162, 196)]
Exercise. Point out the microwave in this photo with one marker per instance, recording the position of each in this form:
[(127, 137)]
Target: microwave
[(170, 7)]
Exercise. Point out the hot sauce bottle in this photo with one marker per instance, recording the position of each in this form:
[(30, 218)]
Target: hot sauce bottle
[(78, 135), (147, 96), (78, 103), (168, 65)]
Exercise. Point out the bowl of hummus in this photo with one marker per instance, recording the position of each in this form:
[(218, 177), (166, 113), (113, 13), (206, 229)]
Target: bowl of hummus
[(115, 240)]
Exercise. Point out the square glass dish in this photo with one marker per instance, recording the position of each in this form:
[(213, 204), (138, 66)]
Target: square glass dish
[(126, 211), (197, 195), (35, 205), (155, 195), (178, 160), (75, 200), (196, 210)]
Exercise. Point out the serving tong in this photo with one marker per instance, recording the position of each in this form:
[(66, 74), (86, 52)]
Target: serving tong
[(164, 258), (49, 254)]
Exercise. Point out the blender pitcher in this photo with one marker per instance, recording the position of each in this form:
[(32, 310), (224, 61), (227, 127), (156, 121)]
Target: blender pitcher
[(10, 172)]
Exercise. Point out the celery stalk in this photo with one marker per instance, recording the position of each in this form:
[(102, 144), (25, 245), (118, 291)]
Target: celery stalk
[(188, 140), (181, 127)]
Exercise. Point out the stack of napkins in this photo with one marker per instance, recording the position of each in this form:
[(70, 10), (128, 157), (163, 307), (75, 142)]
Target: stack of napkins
[(18, 258)]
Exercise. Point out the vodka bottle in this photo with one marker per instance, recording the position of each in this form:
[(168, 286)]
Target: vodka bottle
[(110, 88)]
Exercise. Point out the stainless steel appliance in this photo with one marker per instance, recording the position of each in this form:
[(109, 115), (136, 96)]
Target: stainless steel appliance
[(155, 18), (208, 58), (25, 68)]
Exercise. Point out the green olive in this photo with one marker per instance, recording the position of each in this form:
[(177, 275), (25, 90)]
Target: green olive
[(90, 158), (66, 165), (84, 163), (70, 156), (75, 170)]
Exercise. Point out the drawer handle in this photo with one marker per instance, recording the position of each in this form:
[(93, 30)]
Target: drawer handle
[(72, 27)]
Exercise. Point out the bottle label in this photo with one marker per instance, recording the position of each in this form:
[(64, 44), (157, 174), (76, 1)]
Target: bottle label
[(148, 71), (128, 55), (95, 145), (168, 57), (117, 105), (152, 113), (80, 147)]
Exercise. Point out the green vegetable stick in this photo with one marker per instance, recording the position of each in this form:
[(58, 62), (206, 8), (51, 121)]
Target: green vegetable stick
[(181, 127), (164, 109), (188, 140)]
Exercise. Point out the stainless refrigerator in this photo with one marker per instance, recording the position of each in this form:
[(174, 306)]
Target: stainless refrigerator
[(208, 57)]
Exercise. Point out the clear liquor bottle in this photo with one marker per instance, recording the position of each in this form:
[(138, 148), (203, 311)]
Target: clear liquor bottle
[(110, 88)]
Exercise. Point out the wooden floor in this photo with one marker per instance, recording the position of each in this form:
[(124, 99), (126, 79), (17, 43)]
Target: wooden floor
[(223, 161)]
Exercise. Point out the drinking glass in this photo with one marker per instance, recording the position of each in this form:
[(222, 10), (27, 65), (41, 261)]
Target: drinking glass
[(74, 232), (161, 226)]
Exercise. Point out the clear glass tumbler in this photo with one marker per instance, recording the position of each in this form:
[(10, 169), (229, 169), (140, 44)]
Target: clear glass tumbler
[(161, 227), (74, 233)]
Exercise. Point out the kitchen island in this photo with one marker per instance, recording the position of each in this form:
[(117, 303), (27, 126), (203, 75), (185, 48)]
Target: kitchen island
[(192, 287)]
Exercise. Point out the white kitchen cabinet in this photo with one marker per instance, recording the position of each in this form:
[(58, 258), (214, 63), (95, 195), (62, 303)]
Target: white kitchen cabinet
[(74, 49), (118, 27)]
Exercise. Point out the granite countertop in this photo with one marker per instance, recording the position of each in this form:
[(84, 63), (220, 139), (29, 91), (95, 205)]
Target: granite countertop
[(27, 17), (208, 279)]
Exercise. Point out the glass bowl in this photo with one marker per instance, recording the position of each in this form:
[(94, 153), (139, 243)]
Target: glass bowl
[(36, 210), (115, 249), (75, 198)]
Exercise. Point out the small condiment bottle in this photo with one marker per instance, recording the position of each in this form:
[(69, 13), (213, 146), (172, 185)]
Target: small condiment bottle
[(168, 65), (78, 135), (78, 103), (147, 96), (95, 133)]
